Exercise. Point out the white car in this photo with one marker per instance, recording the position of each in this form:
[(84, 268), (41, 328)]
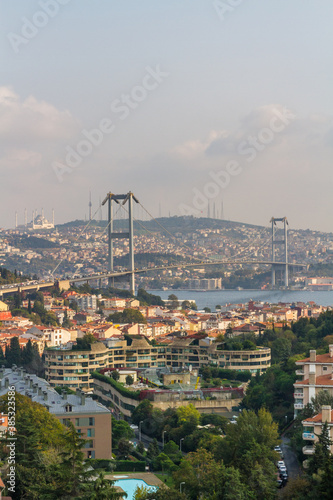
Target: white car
[(283, 469)]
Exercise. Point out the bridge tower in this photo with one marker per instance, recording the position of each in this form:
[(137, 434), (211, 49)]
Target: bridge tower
[(283, 242), (117, 198)]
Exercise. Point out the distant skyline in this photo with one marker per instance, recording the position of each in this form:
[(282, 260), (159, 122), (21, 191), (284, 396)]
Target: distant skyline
[(181, 102)]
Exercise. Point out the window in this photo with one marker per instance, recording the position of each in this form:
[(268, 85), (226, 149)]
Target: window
[(68, 408), (91, 421), (91, 454), (77, 421), (324, 368), (90, 433)]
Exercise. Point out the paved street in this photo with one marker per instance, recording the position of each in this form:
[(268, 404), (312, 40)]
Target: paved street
[(290, 459)]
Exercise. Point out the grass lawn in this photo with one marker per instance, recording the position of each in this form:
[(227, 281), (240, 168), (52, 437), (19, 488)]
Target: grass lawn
[(163, 477)]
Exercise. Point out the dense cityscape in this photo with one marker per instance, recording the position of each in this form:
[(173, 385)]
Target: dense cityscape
[(166, 250)]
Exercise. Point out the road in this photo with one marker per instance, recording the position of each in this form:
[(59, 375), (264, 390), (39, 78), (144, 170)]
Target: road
[(290, 459)]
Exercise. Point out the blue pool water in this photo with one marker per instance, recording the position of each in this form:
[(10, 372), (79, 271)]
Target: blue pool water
[(130, 485)]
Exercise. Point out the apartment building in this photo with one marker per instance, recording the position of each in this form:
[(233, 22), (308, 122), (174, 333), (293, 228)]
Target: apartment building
[(184, 352), (72, 368), (86, 302), (317, 375), (312, 428), (90, 418)]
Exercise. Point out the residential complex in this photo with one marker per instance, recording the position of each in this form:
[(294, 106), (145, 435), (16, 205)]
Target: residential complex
[(73, 368)]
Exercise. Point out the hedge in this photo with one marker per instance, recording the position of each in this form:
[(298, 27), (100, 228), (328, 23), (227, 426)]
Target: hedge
[(117, 385), (118, 465), (129, 466)]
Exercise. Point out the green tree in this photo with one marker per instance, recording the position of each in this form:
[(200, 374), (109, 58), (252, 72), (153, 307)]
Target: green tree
[(13, 353), (322, 455), (143, 411), (124, 448), (120, 429), (27, 354), (115, 375), (153, 449), (100, 488), (129, 380), (140, 448), (174, 302), (72, 473), (322, 398)]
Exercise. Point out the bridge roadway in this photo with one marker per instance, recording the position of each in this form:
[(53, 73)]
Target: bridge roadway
[(65, 283)]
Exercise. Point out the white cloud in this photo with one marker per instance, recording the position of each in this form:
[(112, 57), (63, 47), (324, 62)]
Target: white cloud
[(30, 119)]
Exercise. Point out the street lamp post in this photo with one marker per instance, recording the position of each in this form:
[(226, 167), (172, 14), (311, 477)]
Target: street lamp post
[(163, 438), (180, 486), (180, 444), (140, 429)]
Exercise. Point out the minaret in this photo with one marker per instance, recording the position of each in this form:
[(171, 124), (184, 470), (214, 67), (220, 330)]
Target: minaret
[(53, 216), (15, 220), (25, 217), (90, 205)]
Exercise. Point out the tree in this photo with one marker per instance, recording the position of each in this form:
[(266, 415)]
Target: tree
[(140, 448), (72, 473), (174, 303), (101, 488), (84, 343), (13, 353), (27, 354), (153, 449), (250, 443), (163, 463), (129, 380), (207, 309), (322, 398), (124, 448), (322, 455), (115, 375), (143, 411), (127, 316), (229, 331), (120, 429)]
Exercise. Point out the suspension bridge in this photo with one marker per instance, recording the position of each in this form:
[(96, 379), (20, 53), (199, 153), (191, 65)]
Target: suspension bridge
[(126, 203)]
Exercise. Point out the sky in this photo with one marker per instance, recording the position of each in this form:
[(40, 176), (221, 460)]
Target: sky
[(196, 106)]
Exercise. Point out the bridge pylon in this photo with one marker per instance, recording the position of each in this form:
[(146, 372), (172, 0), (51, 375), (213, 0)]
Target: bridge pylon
[(123, 198), (284, 242)]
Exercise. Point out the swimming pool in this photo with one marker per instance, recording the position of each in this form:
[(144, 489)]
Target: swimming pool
[(130, 485)]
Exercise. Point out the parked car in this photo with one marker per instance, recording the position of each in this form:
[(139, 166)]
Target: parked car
[(283, 469)]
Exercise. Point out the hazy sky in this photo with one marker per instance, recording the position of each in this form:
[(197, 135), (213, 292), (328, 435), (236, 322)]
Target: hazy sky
[(195, 101)]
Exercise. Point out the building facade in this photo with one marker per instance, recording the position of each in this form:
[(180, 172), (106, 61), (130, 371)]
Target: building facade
[(317, 375), (90, 418), (73, 368), (312, 428)]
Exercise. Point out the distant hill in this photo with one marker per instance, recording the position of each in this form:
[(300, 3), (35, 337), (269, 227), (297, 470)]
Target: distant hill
[(178, 224), (172, 224), (28, 242)]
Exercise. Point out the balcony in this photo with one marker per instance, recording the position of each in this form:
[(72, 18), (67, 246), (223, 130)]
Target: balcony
[(299, 372), (298, 395), (308, 435), (308, 450), (298, 406)]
